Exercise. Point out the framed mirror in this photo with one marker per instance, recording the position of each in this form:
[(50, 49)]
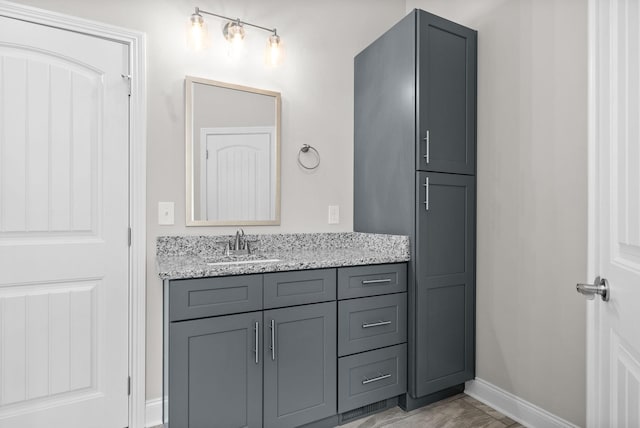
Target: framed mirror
[(232, 154)]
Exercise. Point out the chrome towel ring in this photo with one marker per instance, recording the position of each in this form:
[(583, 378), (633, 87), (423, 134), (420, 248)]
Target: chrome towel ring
[(305, 149)]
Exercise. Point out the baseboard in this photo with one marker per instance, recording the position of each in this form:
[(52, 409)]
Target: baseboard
[(516, 408), (153, 413)]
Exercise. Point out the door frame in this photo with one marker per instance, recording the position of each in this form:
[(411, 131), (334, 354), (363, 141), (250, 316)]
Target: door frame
[(136, 41), (593, 217)]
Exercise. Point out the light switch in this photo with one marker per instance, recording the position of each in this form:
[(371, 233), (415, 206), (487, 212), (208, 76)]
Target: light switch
[(334, 214), (165, 213)]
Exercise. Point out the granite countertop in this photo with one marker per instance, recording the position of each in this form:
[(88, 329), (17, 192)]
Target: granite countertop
[(180, 257)]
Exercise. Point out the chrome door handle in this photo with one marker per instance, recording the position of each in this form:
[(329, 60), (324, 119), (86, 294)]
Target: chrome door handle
[(427, 144), (375, 324), (256, 327), (375, 281), (272, 326), (600, 286), (375, 379), (426, 194)]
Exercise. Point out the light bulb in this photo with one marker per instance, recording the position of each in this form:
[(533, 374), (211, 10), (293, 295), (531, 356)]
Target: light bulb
[(274, 52), (234, 33), (197, 36)]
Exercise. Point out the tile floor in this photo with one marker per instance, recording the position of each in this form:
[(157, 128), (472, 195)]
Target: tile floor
[(459, 411)]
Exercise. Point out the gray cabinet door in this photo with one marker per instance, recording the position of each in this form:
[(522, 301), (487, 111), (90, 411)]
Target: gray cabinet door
[(445, 281), (446, 100), (214, 379), (300, 373)]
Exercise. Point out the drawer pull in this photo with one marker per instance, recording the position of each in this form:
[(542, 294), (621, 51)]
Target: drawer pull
[(426, 194), (427, 144), (272, 326), (375, 379), (257, 326), (375, 324), (375, 281)]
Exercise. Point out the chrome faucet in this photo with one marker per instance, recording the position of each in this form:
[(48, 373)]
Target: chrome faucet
[(239, 238), (238, 246)]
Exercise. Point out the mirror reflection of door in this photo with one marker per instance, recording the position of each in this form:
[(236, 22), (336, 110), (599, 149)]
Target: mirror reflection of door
[(238, 181), (232, 154)]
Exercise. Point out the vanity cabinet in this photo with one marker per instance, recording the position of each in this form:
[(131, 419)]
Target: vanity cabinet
[(264, 350), (273, 368)]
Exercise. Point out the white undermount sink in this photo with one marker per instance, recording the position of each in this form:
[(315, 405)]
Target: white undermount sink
[(239, 260)]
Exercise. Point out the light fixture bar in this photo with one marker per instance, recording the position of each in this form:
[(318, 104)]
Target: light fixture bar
[(238, 20)]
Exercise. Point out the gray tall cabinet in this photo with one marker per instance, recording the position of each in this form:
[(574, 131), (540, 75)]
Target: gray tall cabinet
[(414, 174)]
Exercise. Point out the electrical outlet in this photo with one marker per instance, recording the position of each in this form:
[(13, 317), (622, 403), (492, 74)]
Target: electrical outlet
[(334, 214), (165, 213)]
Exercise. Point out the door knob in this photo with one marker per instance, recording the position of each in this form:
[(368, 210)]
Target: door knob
[(600, 286)]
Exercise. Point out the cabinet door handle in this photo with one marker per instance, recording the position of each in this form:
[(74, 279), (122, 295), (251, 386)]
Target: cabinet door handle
[(427, 144), (272, 326), (375, 379), (426, 194), (256, 328), (375, 281), (375, 324)]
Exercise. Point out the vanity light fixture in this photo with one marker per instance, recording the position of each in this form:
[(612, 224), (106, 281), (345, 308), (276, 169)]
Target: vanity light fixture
[(198, 36), (234, 33)]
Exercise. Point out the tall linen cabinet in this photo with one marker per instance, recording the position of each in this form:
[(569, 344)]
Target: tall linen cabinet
[(414, 174)]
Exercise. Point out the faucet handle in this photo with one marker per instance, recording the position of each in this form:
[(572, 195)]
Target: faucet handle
[(242, 242)]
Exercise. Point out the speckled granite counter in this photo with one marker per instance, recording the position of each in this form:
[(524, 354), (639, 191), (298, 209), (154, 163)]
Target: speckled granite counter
[(180, 257)]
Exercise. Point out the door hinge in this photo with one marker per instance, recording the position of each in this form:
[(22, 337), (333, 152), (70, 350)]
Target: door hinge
[(129, 385), (129, 236), (127, 77)]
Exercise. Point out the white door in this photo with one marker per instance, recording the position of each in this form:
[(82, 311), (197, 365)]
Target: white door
[(613, 329), (238, 174), (64, 222)]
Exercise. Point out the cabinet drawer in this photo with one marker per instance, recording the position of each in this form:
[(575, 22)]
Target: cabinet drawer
[(300, 287), (371, 376), (204, 297), (361, 281), (371, 322)]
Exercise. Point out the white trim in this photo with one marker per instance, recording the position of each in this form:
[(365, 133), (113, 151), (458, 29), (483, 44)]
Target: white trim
[(153, 413), (592, 212), (516, 408), (137, 185)]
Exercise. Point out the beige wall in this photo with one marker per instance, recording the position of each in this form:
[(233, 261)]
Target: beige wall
[(532, 195), (316, 82)]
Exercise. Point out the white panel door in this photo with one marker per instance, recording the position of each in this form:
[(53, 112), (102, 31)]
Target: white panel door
[(64, 221), (613, 355), (239, 174)]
